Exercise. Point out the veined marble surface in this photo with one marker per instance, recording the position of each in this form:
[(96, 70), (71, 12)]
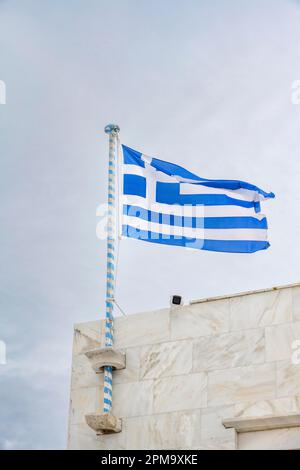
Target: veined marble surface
[(188, 369), (275, 439)]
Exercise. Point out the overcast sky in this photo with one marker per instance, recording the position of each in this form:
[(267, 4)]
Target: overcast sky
[(206, 84)]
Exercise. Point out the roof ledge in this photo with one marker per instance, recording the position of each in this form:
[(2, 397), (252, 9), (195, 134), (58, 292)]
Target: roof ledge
[(263, 423), (242, 294)]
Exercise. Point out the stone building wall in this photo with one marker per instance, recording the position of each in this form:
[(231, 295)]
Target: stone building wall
[(191, 368)]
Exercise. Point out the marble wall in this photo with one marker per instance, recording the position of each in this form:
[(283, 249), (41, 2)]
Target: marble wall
[(188, 369)]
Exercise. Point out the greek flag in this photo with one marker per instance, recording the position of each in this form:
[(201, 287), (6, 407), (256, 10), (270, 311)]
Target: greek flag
[(164, 203)]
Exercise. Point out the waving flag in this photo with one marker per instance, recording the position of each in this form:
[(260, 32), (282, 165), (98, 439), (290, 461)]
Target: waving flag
[(164, 203)]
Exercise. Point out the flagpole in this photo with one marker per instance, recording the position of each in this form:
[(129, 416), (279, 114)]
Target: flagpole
[(112, 130)]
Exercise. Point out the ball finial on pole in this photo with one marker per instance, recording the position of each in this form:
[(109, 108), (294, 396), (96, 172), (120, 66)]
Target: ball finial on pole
[(112, 129)]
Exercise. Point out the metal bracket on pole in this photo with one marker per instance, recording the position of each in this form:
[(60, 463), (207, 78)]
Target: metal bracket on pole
[(104, 423), (102, 357)]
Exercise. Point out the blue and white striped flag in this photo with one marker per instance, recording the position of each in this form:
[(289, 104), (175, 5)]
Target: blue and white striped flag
[(164, 203)]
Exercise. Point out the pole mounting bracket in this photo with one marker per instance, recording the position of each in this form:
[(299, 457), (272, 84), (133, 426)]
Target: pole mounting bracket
[(102, 357)]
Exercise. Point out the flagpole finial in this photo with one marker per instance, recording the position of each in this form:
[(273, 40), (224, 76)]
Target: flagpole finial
[(112, 129)]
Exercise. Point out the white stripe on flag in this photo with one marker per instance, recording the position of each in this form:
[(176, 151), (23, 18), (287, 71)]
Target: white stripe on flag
[(243, 194), (190, 210), (147, 172)]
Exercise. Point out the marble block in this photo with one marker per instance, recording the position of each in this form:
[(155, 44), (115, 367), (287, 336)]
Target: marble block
[(83, 375), (165, 359), (131, 372), (277, 406), (203, 319), (288, 379), (279, 341), (179, 430), (180, 393), (133, 399), (261, 309), (241, 384), (82, 437), (296, 303), (141, 329), (211, 423), (87, 336), (229, 350), (84, 401)]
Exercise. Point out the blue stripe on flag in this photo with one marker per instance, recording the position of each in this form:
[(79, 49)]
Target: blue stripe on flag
[(195, 222), (233, 185), (132, 157), (172, 169), (228, 246)]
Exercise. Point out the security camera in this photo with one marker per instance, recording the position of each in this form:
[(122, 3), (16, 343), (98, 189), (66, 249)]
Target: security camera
[(176, 300)]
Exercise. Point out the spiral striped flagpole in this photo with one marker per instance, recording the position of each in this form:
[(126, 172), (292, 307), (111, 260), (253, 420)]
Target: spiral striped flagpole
[(112, 130)]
